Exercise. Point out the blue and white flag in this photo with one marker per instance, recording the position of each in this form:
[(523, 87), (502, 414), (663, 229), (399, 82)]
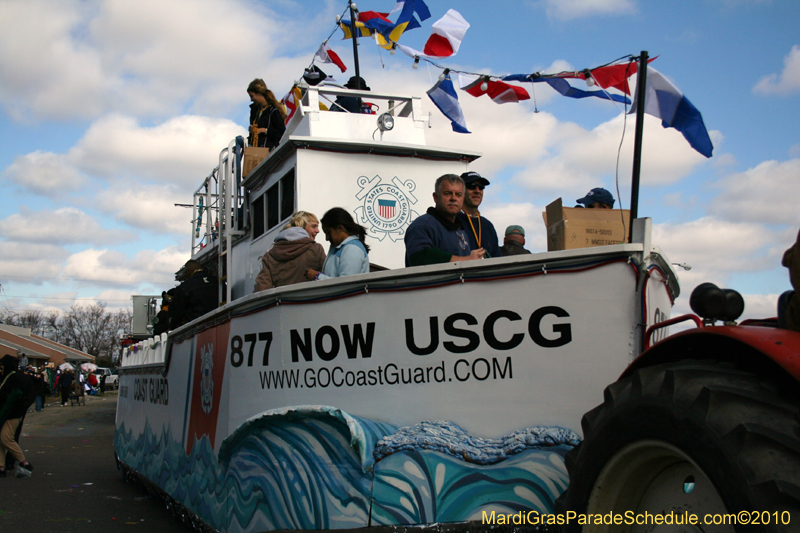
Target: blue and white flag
[(665, 101), (444, 96)]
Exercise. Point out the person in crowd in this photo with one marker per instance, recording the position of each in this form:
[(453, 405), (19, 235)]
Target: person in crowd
[(480, 230), (351, 104), (293, 253), (267, 116), (348, 254), (23, 361), (65, 384), (597, 198), (40, 388), (789, 302), (195, 296), (14, 395), (514, 241), (438, 236), (163, 320), (103, 383), (92, 382)]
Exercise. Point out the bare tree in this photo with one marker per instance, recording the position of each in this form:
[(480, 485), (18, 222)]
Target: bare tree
[(34, 319), (90, 329)]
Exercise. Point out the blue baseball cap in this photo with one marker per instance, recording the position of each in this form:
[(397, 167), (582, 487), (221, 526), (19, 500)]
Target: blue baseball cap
[(598, 194)]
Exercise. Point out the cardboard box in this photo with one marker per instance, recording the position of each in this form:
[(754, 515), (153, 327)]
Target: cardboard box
[(574, 227), (252, 157)]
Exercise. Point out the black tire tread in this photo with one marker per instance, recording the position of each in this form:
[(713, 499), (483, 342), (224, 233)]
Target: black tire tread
[(754, 423)]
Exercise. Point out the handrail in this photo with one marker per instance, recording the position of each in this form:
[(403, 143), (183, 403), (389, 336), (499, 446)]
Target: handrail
[(670, 322)]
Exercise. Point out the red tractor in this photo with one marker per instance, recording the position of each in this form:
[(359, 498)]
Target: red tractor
[(704, 423)]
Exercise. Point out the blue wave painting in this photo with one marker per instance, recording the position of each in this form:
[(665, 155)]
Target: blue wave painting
[(436, 472), (317, 467)]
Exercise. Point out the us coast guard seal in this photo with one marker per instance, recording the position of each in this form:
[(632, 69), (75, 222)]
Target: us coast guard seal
[(207, 381), (385, 208)]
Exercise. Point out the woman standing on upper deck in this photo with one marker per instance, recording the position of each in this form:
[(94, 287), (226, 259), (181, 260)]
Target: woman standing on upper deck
[(266, 116)]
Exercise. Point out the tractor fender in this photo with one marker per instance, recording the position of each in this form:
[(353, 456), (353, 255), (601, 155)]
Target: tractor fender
[(759, 349)]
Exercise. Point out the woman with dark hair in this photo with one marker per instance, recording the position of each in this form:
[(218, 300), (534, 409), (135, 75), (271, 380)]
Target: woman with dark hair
[(267, 116), (348, 252)]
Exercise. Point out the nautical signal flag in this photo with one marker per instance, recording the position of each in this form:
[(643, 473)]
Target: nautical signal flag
[(444, 96), (290, 102), (326, 55), (501, 93), (388, 32), (448, 32), (565, 89), (665, 101)]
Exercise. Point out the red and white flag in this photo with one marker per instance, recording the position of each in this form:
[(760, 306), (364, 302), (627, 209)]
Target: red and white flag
[(290, 102), (448, 32), (326, 55), (501, 93)]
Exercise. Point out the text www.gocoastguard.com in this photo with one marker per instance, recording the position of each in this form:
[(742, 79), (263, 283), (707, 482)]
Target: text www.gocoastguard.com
[(479, 369), (629, 518)]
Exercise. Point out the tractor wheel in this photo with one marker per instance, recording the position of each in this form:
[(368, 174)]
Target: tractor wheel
[(696, 437)]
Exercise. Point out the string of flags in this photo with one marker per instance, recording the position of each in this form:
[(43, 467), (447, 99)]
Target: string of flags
[(663, 99)]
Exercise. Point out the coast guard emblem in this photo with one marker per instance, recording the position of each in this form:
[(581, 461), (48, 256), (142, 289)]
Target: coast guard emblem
[(385, 208), (207, 381)]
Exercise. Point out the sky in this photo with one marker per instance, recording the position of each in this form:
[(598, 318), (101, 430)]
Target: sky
[(112, 111)]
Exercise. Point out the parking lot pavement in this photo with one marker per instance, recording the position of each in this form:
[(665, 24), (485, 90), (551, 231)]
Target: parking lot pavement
[(76, 486)]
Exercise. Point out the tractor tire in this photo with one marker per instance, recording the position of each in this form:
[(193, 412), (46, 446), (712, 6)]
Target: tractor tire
[(696, 437)]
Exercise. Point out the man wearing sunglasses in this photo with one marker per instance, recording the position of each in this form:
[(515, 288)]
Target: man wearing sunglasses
[(480, 230)]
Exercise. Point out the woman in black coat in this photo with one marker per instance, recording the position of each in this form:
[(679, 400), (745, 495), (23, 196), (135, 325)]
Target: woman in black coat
[(267, 117)]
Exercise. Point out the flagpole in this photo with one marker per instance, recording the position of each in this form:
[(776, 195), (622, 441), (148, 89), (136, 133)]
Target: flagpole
[(353, 33), (641, 81)]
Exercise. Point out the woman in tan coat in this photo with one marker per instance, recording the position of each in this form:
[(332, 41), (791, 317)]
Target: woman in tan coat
[(292, 254)]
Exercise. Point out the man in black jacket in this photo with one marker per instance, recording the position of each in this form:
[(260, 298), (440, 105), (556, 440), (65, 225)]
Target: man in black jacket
[(15, 398), (195, 296)]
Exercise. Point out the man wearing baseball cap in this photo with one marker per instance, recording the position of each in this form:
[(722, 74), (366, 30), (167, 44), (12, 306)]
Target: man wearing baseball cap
[(480, 230), (597, 198), (514, 241)]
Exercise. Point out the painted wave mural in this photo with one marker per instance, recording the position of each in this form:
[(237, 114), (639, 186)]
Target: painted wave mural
[(317, 467)]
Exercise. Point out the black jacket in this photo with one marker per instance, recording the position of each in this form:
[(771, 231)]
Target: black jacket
[(16, 390), (268, 117), (193, 298)]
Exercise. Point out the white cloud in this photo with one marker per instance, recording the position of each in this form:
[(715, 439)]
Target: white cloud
[(43, 68), (62, 226), (29, 263), (149, 207), (785, 83), (44, 173), (573, 9), (103, 266), (766, 193), (77, 59), (716, 249), (182, 150)]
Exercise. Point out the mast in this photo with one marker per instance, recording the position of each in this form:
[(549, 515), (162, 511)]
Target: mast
[(641, 81), (352, 8)]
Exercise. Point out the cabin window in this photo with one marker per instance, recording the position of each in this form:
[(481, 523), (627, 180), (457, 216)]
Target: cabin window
[(287, 195), (258, 216), (274, 206)]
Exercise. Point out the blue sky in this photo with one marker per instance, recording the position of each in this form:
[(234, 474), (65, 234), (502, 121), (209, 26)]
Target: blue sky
[(111, 111)]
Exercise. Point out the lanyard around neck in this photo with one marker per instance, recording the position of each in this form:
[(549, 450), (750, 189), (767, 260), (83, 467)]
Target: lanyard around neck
[(479, 233)]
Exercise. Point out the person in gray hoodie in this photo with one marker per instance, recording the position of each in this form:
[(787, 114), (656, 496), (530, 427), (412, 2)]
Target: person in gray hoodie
[(293, 252)]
